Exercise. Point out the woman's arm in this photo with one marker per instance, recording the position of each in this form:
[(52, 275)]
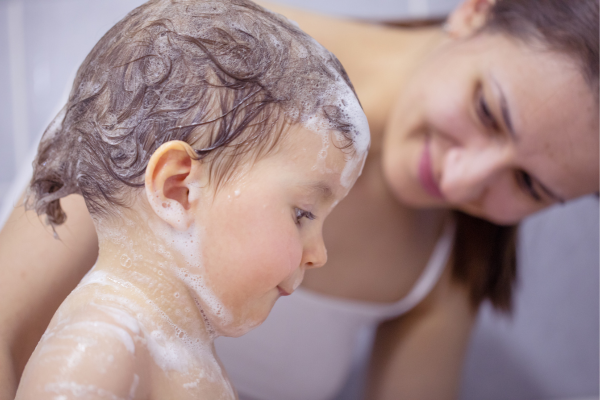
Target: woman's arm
[(37, 272), (419, 356)]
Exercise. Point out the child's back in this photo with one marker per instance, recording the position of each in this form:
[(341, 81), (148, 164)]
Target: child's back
[(210, 140)]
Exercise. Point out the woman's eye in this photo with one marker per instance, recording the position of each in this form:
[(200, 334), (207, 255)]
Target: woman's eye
[(303, 214), (485, 114), (526, 183)]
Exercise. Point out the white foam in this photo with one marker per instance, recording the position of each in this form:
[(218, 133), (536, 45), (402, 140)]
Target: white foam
[(125, 261), (80, 390), (176, 351), (103, 329), (166, 353), (120, 316), (134, 386), (341, 96), (187, 244)]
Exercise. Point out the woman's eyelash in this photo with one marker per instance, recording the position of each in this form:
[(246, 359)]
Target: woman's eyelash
[(526, 183), (485, 114), (303, 214)]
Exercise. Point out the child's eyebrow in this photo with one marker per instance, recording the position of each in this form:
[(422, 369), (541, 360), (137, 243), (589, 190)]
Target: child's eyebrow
[(322, 187)]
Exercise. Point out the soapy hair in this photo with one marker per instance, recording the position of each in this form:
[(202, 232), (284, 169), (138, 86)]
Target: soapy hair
[(484, 254), (225, 76)]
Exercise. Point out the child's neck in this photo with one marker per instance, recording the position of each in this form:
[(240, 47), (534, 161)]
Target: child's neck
[(137, 272), (133, 254)]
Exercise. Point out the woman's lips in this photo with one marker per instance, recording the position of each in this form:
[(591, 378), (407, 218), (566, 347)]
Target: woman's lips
[(426, 174), (282, 292)]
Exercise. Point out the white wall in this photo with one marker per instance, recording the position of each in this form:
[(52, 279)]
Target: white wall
[(42, 42), (549, 349), (378, 10)]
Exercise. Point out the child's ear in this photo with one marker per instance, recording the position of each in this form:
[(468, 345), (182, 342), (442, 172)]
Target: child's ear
[(468, 17), (170, 171)]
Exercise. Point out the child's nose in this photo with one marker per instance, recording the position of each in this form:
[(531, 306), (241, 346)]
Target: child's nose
[(468, 172), (315, 253)]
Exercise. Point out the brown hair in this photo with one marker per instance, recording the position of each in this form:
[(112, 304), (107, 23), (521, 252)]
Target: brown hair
[(484, 255), (484, 258), (568, 27), (224, 76)]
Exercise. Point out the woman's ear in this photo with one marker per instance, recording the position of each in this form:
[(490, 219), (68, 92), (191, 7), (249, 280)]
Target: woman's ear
[(468, 17), (170, 171)]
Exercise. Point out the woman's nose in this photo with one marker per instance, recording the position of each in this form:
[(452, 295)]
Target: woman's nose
[(468, 172), (315, 253)]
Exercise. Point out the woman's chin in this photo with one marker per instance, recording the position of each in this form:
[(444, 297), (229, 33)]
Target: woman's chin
[(430, 204), (413, 196)]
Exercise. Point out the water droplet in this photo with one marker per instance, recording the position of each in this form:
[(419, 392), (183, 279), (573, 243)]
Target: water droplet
[(125, 261)]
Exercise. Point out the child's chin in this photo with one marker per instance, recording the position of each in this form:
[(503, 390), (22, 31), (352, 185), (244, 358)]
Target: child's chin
[(240, 328)]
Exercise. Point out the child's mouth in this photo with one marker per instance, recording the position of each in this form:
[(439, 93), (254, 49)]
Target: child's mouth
[(282, 292)]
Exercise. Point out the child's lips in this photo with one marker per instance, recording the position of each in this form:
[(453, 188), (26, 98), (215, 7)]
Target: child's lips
[(283, 292), (291, 283)]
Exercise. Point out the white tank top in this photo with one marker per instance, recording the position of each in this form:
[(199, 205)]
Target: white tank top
[(310, 342)]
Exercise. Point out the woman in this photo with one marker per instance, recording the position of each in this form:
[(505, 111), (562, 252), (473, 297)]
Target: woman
[(468, 131), (495, 116)]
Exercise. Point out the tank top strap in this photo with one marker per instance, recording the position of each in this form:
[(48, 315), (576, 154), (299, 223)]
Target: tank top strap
[(430, 275), (373, 311)]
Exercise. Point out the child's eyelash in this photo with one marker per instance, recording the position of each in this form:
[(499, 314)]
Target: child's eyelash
[(303, 214)]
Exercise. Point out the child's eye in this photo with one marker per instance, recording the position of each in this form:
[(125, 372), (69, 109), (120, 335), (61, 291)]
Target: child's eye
[(303, 214)]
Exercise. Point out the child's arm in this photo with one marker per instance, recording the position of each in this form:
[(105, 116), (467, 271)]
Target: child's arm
[(37, 272), (86, 356)]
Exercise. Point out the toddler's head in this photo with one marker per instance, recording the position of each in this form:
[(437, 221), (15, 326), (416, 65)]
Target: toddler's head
[(209, 140)]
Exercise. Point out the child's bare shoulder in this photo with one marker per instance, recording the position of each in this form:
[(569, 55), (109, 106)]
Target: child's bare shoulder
[(89, 349)]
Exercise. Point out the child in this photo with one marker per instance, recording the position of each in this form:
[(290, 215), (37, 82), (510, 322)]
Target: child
[(209, 139)]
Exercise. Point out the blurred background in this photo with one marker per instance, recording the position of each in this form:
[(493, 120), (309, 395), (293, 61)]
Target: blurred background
[(548, 348)]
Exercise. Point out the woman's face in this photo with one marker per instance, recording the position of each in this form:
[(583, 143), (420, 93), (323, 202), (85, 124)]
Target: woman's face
[(494, 127)]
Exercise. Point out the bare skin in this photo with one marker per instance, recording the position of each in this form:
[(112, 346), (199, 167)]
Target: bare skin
[(377, 254), (395, 240), (51, 270), (184, 264), (390, 242), (377, 244)]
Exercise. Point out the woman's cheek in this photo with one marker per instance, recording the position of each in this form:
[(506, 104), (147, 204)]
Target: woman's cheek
[(506, 205)]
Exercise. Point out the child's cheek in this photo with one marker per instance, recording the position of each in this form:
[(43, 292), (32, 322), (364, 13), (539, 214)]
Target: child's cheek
[(257, 244), (272, 248)]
